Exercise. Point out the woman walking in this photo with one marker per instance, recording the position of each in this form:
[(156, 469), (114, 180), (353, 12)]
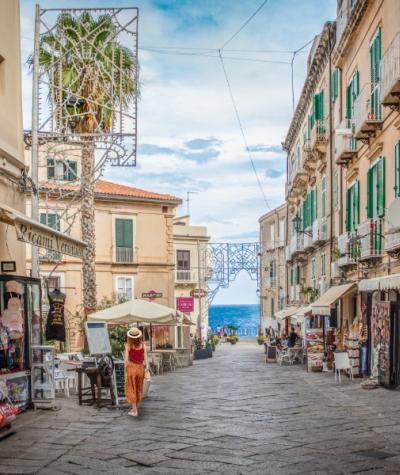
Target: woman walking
[(135, 366)]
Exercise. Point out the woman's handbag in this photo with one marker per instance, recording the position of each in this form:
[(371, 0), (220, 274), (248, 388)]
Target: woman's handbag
[(146, 383)]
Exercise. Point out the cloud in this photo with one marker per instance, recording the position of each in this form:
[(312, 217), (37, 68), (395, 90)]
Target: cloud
[(196, 144), (152, 149), (266, 148), (271, 173)]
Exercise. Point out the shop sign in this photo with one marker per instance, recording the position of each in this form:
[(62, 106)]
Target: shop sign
[(198, 293), (49, 239), (152, 295), (185, 304)]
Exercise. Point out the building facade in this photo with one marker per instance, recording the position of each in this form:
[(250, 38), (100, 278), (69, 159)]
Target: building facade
[(191, 256), (273, 281), (134, 245), (310, 181)]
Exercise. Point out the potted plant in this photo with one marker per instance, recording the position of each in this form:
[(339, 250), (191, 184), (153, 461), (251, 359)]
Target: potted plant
[(200, 352), (260, 339), (232, 339)]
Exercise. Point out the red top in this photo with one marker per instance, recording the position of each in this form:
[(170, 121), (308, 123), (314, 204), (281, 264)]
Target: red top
[(136, 355)]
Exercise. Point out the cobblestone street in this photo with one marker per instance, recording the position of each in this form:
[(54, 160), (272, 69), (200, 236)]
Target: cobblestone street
[(229, 414)]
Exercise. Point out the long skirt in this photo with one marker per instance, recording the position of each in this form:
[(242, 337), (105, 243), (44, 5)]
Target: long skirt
[(134, 378)]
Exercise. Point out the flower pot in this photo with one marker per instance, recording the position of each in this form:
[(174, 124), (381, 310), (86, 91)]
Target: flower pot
[(202, 354)]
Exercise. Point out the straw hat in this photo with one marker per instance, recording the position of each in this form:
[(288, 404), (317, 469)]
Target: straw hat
[(134, 333)]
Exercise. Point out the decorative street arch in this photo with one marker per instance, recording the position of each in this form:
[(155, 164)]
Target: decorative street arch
[(226, 261)]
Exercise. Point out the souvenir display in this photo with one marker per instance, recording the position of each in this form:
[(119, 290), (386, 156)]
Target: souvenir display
[(55, 326)]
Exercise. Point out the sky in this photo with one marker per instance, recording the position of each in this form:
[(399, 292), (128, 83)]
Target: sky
[(188, 135)]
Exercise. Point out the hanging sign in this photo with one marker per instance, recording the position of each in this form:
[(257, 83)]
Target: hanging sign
[(198, 293), (152, 295), (185, 304)]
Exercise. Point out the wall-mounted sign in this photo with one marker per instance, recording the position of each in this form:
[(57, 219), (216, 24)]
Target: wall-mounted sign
[(152, 295), (185, 304), (8, 266), (32, 232), (198, 293)]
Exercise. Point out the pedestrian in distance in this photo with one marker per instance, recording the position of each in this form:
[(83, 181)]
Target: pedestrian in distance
[(136, 363), (293, 336)]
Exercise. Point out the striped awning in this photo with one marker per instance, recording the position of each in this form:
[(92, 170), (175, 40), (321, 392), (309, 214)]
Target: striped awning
[(322, 306), (387, 282), (369, 285)]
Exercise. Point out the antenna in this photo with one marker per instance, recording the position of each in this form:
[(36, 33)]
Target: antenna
[(188, 193)]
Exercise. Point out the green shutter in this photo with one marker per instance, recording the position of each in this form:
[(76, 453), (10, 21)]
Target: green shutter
[(50, 168), (370, 191), (124, 233), (334, 85), (356, 201), (348, 218), (71, 171), (381, 187), (375, 58), (297, 275), (356, 84), (397, 169), (291, 276), (52, 220), (43, 219), (348, 102)]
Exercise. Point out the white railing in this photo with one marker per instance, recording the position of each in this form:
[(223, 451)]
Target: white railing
[(370, 233), (345, 142), (296, 243), (183, 275), (124, 255), (390, 67), (392, 240), (367, 108), (319, 230), (308, 239), (346, 256)]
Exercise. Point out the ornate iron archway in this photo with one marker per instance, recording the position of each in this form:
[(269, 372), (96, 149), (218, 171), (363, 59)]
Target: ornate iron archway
[(226, 260)]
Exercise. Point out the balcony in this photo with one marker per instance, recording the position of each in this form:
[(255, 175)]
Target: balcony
[(367, 113), (297, 176), (390, 74), (370, 236), (392, 234), (319, 138), (345, 144), (123, 255), (319, 231), (186, 276), (296, 246), (347, 250), (294, 293)]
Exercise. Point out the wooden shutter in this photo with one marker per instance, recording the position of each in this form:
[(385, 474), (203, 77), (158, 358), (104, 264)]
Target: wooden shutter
[(356, 84), (381, 187), (124, 233), (375, 58), (348, 102), (71, 170), (356, 201), (50, 168), (397, 169), (52, 220), (348, 217), (291, 276), (334, 85), (370, 191)]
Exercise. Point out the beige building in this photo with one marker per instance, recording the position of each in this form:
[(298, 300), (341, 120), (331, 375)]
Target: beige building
[(190, 250), (310, 181), (11, 138), (134, 243), (273, 284)]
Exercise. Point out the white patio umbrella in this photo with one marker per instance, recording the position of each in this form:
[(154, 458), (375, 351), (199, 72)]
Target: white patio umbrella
[(135, 311)]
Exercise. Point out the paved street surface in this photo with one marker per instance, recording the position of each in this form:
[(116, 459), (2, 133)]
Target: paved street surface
[(229, 414)]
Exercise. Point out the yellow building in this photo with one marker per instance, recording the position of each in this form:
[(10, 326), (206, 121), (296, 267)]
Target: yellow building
[(273, 284), (191, 254), (134, 245)]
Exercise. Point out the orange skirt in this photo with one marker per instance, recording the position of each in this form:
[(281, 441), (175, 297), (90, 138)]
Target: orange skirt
[(134, 379)]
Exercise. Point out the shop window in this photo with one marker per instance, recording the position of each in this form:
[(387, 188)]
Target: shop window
[(124, 289)]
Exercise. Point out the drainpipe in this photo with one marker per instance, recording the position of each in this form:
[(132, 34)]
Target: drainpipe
[(331, 233)]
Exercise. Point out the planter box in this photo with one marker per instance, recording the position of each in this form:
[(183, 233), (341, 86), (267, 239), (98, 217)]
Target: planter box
[(202, 354)]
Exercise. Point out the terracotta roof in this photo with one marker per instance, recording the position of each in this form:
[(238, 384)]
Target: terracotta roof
[(104, 187)]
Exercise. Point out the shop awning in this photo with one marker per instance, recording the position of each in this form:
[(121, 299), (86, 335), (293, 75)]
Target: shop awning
[(135, 311), (322, 306), (39, 235), (388, 282), (369, 285), (286, 312), (301, 312)]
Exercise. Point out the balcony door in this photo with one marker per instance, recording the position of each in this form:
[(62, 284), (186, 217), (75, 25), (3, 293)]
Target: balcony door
[(123, 240), (183, 264)]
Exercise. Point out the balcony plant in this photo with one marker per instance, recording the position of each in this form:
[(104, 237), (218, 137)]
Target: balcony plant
[(310, 293)]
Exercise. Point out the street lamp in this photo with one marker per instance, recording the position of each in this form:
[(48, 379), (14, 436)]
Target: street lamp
[(297, 223)]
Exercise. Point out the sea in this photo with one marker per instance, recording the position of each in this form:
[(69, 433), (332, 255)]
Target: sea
[(245, 317)]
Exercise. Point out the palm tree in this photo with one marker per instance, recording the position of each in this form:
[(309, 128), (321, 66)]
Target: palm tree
[(90, 75)]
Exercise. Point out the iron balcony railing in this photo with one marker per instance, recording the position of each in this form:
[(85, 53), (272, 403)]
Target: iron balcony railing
[(390, 71), (296, 244), (367, 113), (124, 255), (347, 250), (318, 133), (185, 275), (319, 230), (370, 236)]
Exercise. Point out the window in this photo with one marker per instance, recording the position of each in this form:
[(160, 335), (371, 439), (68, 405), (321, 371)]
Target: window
[(352, 91), (376, 189), (297, 275), (272, 234), (309, 209), (124, 240), (183, 260), (397, 167), (375, 52), (353, 206), (323, 197), (323, 265), (124, 288), (272, 307), (335, 85), (319, 106), (282, 231), (313, 268), (65, 170), (272, 273), (52, 220)]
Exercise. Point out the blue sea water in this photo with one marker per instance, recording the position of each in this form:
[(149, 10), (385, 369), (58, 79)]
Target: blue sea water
[(245, 317)]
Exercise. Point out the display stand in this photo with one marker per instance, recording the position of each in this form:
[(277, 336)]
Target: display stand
[(42, 376)]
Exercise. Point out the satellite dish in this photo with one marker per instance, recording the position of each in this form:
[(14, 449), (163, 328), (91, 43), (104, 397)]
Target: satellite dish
[(393, 215)]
